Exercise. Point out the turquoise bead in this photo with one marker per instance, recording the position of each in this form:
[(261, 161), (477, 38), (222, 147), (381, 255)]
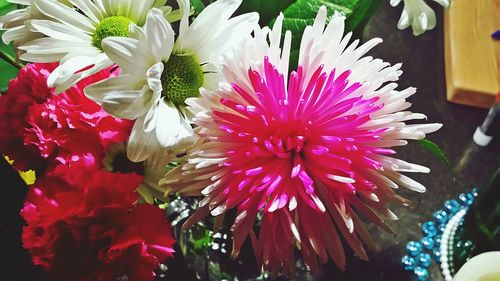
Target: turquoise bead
[(429, 229), (427, 242), (409, 263), (440, 216), (413, 248), (437, 240), (436, 255), (474, 192), (471, 197), (452, 206), (424, 260), (441, 228), (466, 199), (421, 274)]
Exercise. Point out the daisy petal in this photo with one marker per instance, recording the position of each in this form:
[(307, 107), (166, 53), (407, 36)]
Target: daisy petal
[(141, 144), (70, 71), (63, 13), (98, 91), (89, 9), (61, 31), (168, 124), (160, 35), (123, 51), (127, 104)]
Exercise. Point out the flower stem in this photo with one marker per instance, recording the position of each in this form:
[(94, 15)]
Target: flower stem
[(10, 60)]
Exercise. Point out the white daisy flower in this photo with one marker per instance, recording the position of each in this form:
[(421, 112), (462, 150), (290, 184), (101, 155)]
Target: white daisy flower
[(17, 23), (418, 14), (72, 35), (159, 75)]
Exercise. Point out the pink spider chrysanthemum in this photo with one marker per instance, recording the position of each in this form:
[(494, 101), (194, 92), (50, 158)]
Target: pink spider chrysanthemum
[(310, 153)]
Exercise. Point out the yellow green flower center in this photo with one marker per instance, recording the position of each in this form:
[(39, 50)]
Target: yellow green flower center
[(182, 78), (112, 26)]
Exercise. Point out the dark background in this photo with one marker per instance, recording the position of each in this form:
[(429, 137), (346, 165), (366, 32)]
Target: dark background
[(423, 66)]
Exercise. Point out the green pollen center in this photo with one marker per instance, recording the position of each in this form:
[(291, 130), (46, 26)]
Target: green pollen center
[(112, 26), (182, 78)]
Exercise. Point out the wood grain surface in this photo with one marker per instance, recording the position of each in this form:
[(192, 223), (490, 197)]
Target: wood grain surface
[(472, 57)]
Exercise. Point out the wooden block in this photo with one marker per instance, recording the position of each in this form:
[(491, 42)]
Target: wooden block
[(472, 57)]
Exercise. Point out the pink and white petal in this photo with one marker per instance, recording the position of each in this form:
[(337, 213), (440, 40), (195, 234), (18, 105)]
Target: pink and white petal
[(404, 181), (211, 80), (200, 37), (218, 11), (229, 33), (426, 128)]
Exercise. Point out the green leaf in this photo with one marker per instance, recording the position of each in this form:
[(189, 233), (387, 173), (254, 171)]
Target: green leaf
[(362, 12), (4, 5), (198, 6), (201, 239), (7, 71), (436, 150), (268, 9), (302, 13)]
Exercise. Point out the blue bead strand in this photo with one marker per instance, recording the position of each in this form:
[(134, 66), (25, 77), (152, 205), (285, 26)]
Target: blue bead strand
[(419, 255)]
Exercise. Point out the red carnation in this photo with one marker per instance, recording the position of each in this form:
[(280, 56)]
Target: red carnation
[(69, 127), (39, 127), (84, 225), (28, 88)]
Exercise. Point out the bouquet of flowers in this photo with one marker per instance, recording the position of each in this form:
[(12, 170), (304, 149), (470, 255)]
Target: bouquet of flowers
[(126, 103)]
